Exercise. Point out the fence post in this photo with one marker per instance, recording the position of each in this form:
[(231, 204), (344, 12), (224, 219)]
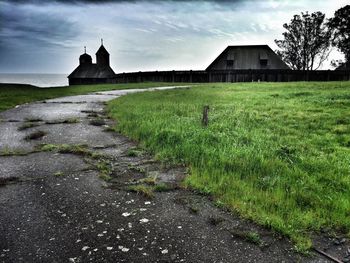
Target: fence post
[(205, 119)]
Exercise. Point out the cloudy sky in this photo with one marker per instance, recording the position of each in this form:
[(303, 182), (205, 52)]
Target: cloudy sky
[(48, 36)]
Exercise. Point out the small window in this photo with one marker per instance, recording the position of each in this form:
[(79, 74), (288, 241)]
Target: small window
[(263, 62), (229, 63)]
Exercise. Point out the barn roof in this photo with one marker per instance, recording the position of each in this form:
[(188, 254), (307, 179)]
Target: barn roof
[(232, 52), (92, 71)]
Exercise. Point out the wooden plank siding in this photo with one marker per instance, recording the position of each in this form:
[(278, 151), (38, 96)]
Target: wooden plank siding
[(242, 75)]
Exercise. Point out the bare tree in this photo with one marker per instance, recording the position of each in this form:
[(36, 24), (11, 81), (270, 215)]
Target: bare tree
[(306, 43)]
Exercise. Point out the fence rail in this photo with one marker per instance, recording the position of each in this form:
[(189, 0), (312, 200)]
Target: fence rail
[(272, 75)]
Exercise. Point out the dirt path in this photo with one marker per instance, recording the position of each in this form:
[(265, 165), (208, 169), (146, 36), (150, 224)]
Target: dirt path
[(75, 203)]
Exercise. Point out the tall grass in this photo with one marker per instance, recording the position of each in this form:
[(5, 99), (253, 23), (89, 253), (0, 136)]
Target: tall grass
[(278, 153)]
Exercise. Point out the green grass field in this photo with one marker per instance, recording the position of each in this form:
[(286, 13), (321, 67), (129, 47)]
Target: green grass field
[(15, 94), (278, 153)]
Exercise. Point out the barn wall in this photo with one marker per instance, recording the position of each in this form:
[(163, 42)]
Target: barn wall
[(221, 76), (233, 76)]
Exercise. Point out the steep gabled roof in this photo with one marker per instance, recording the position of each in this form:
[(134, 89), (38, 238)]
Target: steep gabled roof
[(92, 71), (260, 48), (102, 50)]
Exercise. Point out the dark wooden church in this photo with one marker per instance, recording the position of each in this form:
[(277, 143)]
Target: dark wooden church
[(89, 73)]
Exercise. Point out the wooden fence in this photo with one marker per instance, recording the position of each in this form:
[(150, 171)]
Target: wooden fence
[(272, 75)]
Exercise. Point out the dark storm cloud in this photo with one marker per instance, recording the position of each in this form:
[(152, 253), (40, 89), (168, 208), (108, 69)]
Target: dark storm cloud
[(120, 1), (26, 35), (38, 27)]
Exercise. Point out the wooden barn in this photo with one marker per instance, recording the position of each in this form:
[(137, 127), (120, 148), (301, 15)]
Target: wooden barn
[(247, 57), (89, 73)]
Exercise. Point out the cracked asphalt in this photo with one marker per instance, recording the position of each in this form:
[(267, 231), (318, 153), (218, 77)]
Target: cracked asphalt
[(54, 207)]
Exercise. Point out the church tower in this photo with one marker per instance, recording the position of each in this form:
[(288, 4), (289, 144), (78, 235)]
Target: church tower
[(102, 56), (85, 59)]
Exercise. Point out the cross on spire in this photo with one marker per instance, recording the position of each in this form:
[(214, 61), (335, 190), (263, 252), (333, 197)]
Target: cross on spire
[(85, 49)]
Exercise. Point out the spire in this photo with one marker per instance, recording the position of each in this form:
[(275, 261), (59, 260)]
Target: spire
[(102, 56), (84, 49)]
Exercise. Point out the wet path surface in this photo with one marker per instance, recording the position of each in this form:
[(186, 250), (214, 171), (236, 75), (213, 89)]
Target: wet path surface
[(78, 192)]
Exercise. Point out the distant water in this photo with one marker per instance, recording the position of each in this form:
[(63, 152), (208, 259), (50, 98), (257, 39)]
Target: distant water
[(40, 80)]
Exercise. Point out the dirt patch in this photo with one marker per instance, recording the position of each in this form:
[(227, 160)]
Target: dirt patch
[(65, 121), (8, 180), (35, 135), (97, 122)]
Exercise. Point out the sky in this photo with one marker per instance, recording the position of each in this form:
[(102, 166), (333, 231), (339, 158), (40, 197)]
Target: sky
[(49, 36)]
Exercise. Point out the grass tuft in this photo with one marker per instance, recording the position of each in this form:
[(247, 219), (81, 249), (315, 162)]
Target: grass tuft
[(135, 152), (215, 220), (194, 209), (141, 189), (105, 170), (79, 149), (162, 187), (58, 174), (254, 238), (105, 177), (9, 152), (150, 180)]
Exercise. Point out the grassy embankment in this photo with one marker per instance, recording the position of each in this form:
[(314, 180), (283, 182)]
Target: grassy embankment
[(279, 153), (15, 94)]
